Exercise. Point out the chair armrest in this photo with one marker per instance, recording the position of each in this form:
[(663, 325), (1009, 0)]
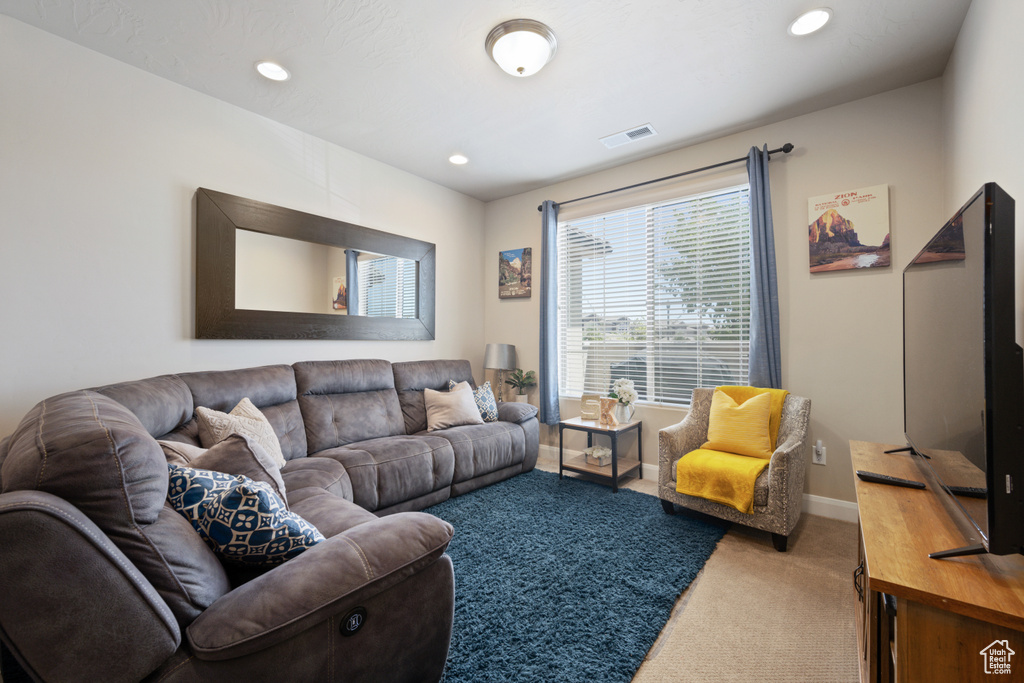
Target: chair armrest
[(516, 412), (326, 580), (676, 441), (72, 603)]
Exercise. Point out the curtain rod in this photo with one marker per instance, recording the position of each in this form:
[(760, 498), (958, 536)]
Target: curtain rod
[(785, 149)]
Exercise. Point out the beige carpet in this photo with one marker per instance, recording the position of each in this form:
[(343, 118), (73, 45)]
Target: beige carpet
[(755, 614)]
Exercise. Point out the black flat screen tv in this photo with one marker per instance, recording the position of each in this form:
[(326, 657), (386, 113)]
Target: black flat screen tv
[(963, 374)]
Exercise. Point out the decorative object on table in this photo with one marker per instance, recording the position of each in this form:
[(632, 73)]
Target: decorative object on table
[(849, 229), (590, 407), (647, 559), (500, 357), (521, 381), (598, 455), (624, 393), (514, 277), (608, 411)]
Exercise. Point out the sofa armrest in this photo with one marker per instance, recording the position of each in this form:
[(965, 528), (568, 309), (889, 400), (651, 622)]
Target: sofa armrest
[(326, 580), (509, 411), (72, 603)]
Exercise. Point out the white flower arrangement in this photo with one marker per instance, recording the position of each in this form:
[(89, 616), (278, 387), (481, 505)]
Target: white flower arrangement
[(622, 389)]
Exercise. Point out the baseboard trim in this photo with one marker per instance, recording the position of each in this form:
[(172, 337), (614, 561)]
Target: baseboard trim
[(832, 508), (821, 506)]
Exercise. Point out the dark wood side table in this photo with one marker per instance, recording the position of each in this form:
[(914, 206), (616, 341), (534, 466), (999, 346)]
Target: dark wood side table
[(620, 468)]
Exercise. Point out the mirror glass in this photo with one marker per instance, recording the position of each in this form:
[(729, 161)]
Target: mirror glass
[(274, 273)]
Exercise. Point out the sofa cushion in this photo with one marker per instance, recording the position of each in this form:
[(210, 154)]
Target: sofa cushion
[(234, 455), (394, 469), (162, 404), (270, 388), (242, 520), (347, 401), (330, 514), (93, 452), (310, 475), (245, 419), (451, 408), (412, 377), (485, 448)]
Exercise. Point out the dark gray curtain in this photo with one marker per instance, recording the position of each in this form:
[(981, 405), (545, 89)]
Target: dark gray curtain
[(765, 348), (352, 280), (547, 382)]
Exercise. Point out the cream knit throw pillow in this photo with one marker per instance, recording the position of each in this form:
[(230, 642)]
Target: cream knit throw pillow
[(245, 419)]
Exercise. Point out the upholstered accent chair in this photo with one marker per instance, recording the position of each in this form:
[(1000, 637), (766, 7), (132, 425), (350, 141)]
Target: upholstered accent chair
[(778, 490)]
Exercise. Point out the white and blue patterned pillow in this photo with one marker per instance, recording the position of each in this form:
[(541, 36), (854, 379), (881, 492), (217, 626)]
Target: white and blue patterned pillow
[(484, 399), (242, 520)]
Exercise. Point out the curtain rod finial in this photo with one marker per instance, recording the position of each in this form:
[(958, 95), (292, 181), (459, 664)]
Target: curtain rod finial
[(787, 148)]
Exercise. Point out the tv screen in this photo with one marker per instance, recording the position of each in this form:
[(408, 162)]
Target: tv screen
[(963, 371)]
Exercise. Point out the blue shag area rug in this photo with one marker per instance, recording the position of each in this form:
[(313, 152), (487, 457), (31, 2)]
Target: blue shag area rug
[(562, 580)]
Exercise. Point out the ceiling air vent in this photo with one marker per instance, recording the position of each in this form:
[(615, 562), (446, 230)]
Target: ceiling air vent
[(631, 135)]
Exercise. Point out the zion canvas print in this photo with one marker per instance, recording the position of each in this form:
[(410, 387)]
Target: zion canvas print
[(849, 229), (514, 278)]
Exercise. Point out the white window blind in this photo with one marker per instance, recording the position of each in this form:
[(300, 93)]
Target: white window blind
[(659, 294), (388, 287)]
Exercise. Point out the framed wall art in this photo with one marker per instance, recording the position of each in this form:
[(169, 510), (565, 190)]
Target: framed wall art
[(849, 229), (514, 273)]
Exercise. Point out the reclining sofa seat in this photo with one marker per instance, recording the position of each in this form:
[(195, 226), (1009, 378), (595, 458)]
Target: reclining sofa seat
[(84, 484)]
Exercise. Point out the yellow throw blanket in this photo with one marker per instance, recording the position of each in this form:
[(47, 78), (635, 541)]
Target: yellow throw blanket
[(725, 478)]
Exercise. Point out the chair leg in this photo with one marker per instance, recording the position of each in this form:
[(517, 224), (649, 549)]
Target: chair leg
[(667, 506), (779, 541)]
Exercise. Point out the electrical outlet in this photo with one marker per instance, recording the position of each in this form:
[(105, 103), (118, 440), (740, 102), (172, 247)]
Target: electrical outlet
[(819, 454)]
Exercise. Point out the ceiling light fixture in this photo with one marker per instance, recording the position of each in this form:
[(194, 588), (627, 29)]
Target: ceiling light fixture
[(458, 159), (521, 47), (809, 22), (273, 71)]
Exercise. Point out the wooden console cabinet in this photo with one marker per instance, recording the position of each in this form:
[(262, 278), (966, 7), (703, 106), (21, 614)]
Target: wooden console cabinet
[(920, 619)]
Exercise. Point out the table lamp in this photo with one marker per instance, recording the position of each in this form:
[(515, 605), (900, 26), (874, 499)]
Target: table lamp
[(500, 357)]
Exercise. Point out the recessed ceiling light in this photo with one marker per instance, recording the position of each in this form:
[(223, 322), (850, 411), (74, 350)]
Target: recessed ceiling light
[(809, 22), (273, 71), (458, 159)]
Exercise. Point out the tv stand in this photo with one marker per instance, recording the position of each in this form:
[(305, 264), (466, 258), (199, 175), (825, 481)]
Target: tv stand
[(946, 612)]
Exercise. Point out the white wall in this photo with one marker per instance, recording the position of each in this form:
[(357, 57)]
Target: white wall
[(983, 99), (99, 164), (841, 331)]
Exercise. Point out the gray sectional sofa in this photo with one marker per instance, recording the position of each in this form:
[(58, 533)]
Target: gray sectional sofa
[(104, 580)]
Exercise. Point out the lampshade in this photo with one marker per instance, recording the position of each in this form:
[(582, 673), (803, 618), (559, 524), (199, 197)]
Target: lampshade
[(500, 357), (521, 47)]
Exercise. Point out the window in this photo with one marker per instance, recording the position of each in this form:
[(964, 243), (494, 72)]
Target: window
[(388, 287), (659, 294)]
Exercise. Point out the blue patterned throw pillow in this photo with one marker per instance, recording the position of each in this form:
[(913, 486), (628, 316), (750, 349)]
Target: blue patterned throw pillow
[(242, 520), (484, 399)]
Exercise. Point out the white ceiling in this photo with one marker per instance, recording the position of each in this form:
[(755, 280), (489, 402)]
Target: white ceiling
[(407, 82)]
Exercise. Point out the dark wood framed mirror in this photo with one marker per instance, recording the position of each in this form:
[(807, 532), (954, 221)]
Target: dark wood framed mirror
[(246, 249)]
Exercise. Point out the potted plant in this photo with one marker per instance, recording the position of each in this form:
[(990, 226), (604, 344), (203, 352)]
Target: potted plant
[(521, 381)]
